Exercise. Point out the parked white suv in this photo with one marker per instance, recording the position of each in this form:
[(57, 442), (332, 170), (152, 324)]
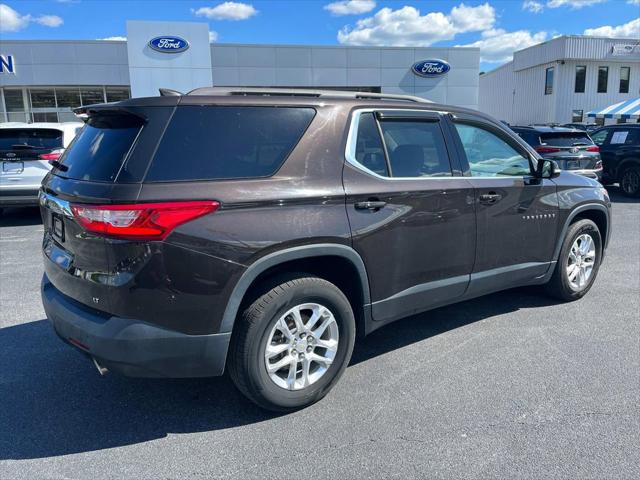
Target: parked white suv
[(26, 150)]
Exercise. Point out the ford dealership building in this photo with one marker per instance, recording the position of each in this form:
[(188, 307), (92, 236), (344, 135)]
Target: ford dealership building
[(43, 80)]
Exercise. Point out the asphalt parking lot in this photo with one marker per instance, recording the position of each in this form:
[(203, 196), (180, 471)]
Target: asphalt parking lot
[(511, 385)]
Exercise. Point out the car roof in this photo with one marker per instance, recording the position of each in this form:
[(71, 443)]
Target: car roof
[(546, 129)]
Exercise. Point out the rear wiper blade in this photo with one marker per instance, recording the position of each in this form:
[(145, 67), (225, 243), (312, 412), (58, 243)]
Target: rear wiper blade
[(580, 144), (25, 146)]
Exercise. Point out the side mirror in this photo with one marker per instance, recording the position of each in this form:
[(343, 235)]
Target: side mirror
[(548, 169)]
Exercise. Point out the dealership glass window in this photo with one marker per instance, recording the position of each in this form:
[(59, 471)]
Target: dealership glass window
[(92, 95), (581, 78), (45, 116), (117, 94), (625, 72), (548, 81), (68, 97), (42, 97), (13, 100), (577, 115), (603, 78)]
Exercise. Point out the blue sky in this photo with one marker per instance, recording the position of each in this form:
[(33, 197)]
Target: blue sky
[(498, 27)]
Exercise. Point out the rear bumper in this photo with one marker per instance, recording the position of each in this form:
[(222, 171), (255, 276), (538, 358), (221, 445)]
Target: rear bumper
[(131, 347), (595, 174), (22, 197)]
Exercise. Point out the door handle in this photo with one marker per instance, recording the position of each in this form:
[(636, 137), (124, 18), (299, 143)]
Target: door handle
[(374, 205), (491, 197)]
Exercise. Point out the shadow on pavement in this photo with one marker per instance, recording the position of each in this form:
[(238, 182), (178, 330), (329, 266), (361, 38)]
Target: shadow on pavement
[(53, 402), (18, 217), (617, 196)]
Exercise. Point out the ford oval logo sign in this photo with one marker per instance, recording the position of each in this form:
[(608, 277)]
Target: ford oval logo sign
[(431, 68), (169, 44)]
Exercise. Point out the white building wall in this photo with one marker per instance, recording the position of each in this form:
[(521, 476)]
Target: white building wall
[(325, 66), (498, 98)]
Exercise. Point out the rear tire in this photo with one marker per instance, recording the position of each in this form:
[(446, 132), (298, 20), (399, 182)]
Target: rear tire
[(630, 181), (279, 358), (578, 262)]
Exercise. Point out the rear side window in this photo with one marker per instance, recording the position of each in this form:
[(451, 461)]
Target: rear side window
[(565, 139), (416, 148), (211, 143), (98, 151), (30, 139), (369, 148)]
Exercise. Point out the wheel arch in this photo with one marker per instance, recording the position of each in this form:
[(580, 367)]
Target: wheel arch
[(315, 259), (624, 164), (596, 212)]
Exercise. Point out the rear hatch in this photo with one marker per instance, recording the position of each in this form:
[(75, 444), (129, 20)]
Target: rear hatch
[(24, 155), (571, 150), (78, 260)]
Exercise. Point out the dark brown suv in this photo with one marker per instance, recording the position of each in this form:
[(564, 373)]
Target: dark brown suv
[(265, 229)]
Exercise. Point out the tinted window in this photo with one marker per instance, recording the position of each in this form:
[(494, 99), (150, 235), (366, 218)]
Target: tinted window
[(207, 143), (532, 138), (416, 148), (548, 81), (581, 77), (603, 78), (490, 156), (369, 148), (98, 151), (625, 72), (568, 139), (32, 138), (600, 136)]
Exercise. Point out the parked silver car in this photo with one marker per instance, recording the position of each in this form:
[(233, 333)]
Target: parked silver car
[(570, 148), (26, 150)]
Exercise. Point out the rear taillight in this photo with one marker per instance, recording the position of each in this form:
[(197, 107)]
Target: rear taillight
[(543, 149), (143, 221), (593, 148), (51, 156)]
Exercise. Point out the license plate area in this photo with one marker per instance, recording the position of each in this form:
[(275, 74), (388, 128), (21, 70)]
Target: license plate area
[(12, 167), (57, 227), (572, 164)]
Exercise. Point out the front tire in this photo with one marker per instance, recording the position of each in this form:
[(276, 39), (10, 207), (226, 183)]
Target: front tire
[(630, 181), (578, 262), (292, 343)]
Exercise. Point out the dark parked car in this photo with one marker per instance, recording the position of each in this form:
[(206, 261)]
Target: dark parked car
[(620, 151), (570, 148), (264, 230)]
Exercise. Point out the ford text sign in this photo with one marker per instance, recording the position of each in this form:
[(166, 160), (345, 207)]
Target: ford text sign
[(169, 44), (431, 68)]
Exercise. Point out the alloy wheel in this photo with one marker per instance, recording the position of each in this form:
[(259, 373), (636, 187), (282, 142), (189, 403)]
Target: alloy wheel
[(581, 261), (301, 346)]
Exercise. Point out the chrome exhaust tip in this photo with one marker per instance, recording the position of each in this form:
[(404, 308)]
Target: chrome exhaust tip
[(101, 370)]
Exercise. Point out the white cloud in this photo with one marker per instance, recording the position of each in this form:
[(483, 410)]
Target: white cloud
[(116, 38), (626, 30), (497, 45), (227, 11), (350, 7), (407, 27), (49, 20), (213, 36), (532, 6), (575, 4), (633, 2), (12, 21)]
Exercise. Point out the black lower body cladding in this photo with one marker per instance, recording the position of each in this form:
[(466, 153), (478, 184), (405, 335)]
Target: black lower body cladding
[(132, 347)]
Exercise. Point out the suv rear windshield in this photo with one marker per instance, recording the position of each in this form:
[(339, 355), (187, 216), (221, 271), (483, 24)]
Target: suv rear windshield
[(209, 143), (565, 139), (30, 139), (97, 152)]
